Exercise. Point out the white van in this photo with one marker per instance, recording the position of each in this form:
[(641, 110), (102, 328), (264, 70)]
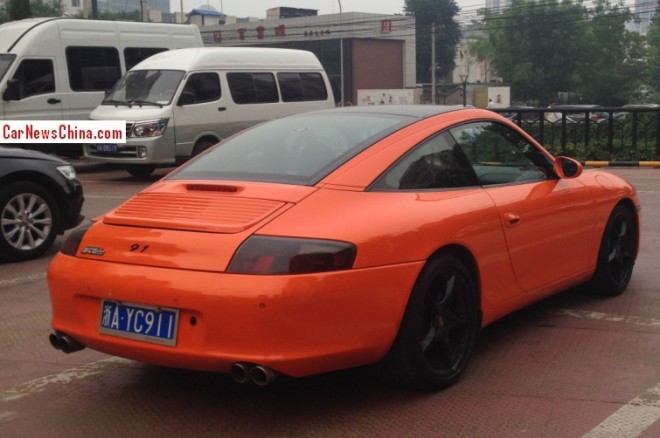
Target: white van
[(59, 69), (178, 103)]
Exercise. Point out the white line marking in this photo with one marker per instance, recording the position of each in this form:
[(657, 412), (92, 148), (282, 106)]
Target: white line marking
[(23, 280), (648, 322), (631, 419), (40, 384)]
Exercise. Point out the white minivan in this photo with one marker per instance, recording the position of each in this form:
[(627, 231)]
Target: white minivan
[(59, 68), (178, 103)]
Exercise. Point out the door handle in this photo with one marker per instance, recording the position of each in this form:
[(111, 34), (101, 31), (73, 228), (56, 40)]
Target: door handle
[(512, 219), (222, 108), (53, 101)]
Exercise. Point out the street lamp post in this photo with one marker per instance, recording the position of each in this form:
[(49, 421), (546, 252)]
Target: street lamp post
[(341, 59), (464, 79)]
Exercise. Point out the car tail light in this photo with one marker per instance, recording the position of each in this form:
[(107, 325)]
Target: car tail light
[(72, 242), (283, 255)]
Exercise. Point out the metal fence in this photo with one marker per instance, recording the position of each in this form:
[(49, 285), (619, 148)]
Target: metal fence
[(597, 133)]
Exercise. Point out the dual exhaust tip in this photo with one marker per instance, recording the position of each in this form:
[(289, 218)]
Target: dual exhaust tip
[(241, 372), (65, 343), (245, 372)]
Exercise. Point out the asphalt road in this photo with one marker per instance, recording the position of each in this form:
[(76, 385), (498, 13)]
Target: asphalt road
[(570, 366)]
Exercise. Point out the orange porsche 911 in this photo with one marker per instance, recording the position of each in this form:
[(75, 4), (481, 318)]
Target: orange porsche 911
[(328, 240)]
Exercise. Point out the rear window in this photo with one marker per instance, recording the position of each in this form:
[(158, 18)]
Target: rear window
[(300, 149)]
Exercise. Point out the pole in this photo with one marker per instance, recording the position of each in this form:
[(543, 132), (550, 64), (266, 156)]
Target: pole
[(341, 59), (182, 14), (433, 102)]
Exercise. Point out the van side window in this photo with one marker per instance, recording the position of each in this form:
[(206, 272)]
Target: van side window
[(35, 76), (203, 87), (134, 55), (302, 87), (252, 88), (92, 68)]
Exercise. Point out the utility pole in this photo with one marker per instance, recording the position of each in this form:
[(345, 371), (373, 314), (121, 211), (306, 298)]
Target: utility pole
[(433, 102)]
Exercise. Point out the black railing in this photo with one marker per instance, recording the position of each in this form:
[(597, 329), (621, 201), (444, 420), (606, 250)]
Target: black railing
[(593, 133)]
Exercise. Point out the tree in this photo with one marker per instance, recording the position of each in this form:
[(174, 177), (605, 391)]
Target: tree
[(536, 47), (613, 65), (653, 41), (18, 9), (448, 34)]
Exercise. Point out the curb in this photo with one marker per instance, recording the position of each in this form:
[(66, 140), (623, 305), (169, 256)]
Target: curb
[(621, 163)]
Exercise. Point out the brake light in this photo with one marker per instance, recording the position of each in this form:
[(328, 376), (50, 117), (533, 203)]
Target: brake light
[(282, 255), (72, 242)]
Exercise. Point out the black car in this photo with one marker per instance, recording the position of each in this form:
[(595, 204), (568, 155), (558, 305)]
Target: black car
[(40, 197)]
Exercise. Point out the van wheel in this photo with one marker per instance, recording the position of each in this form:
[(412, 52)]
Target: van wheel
[(202, 145), (140, 170)]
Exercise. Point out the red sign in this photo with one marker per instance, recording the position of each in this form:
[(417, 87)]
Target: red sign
[(386, 26)]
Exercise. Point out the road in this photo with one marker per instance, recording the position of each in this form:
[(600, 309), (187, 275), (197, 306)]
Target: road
[(570, 366)]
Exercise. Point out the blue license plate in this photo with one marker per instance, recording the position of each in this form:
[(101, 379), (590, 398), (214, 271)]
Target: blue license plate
[(107, 148), (139, 322)]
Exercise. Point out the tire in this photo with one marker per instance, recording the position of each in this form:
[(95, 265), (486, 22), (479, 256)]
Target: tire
[(616, 257), (438, 330), (201, 146), (29, 221), (141, 170)]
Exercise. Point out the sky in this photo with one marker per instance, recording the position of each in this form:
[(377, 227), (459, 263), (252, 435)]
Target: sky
[(257, 8)]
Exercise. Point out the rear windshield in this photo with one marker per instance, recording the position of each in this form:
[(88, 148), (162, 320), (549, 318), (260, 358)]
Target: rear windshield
[(300, 149)]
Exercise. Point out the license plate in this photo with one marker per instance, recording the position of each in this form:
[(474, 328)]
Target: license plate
[(107, 148), (139, 322)]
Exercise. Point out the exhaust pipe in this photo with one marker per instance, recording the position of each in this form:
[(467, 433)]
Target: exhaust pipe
[(243, 372), (263, 376), (240, 372), (65, 343)]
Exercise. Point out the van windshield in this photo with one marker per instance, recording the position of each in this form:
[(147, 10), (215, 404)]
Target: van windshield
[(145, 87), (5, 62)]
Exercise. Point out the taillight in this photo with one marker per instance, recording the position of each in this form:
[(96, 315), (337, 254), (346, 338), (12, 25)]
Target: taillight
[(72, 242), (283, 255)]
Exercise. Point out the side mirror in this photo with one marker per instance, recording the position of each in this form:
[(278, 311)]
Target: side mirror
[(566, 167), (186, 98), (13, 91)]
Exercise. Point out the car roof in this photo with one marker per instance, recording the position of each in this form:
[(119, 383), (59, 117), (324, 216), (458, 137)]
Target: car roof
[(415, 111)]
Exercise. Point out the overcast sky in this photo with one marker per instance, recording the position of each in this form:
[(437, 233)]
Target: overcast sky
[(257, 8)]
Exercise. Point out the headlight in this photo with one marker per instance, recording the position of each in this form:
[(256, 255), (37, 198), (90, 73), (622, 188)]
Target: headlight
[(149, 128), (68, 171), (284, 255)]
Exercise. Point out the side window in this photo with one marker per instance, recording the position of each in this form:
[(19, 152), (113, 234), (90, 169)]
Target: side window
[(437, 163), (299, 87), (499, 155), (202, 87), (92, 68), (134, 55), (252, 88), (35, 76)]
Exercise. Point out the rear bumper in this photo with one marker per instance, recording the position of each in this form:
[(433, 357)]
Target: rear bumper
[(296, 325)]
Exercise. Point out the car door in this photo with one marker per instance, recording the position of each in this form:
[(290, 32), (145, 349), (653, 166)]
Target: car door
[(39, 97), (200, 110), (547, 221)]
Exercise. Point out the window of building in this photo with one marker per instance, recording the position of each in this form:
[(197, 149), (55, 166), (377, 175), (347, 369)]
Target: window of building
[(252, 88), (92, 68)]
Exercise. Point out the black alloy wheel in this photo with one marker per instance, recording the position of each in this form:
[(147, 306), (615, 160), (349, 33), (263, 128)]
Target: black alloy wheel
[(616, 257), (439, 328)]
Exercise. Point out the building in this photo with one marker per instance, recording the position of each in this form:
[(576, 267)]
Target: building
[(376, 51), (497, 6), (645, 10)]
